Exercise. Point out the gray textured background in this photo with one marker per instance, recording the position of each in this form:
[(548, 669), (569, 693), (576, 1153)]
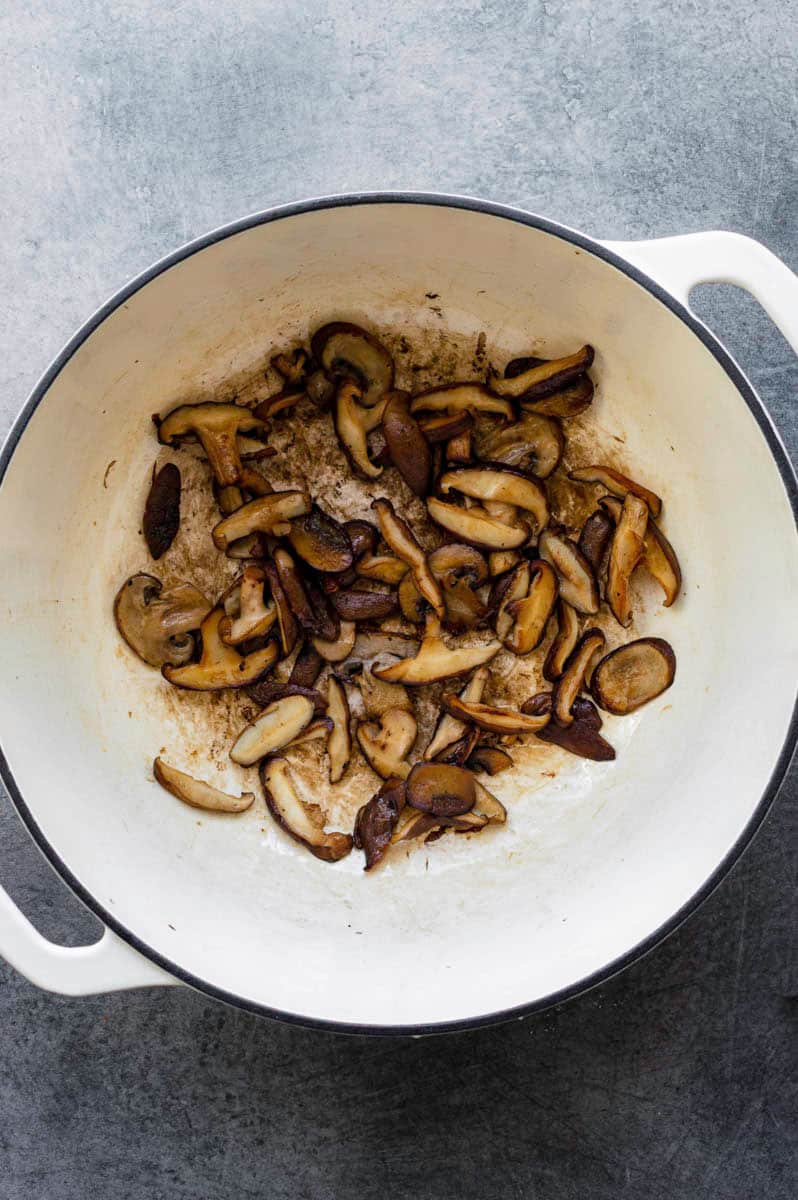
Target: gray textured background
[(127, 128)]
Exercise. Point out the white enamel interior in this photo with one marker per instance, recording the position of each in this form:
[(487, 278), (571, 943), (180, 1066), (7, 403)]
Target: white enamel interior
[(592, 862)]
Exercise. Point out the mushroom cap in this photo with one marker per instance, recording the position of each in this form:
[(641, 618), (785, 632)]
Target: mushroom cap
[(157, 622)]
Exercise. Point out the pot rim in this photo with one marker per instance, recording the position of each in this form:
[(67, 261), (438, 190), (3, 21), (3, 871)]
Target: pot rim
[(742, 385)]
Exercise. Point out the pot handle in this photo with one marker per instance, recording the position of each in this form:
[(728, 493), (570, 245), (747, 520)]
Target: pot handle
[(679, 263), (110, 965)]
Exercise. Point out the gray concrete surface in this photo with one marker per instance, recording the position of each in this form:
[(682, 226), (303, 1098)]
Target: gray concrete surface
[(127, 128)]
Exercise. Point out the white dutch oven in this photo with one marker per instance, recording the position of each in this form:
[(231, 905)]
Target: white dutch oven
[(594, 868)]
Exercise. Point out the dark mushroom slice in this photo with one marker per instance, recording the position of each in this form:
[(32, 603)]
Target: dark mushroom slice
[(625, 553), (449, 729), (406, 444), (531, 613), (459, 449), (617, 484), (440, 789), (307, 603), (402, 541), (582, 736), (157, 622), (459, 397), (319, 389), (442, 427), (376, 821), (563, 643), (595, 538), (413, 824), (490, 759), (492, 718), (659, 557), (347, 351), (505, 591), (307, 666), (363, 537), (573, 678), (412, 604), (255, 617), (293, 367), (301, 820), (385, 568), (543, 378), (633, 674), (353, 423), (217, 427), (497, 483), (220, 666), (435, 661), (578, 586), (569, 402), (534, 443), (458, 753), (270, 514), (355, 605), (339, 743), (386, 745), (286, 621), (341, 647), (162, 510), (266, 691), (278, 724), (477, 526), (253, 482), (320, 541), (197, 793)]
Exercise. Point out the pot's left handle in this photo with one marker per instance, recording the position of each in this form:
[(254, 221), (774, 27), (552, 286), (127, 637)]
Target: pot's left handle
[(110, 965)]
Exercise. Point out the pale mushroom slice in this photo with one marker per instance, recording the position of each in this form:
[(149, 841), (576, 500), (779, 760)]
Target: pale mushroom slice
[(385, 568), (477, 526), (386, 745), (659, 557), (435, 661), (216, 426), (272, 730), (496, 483), (220, 666), (572, 680), (301, 819), (197, 793), (563, 643), (486, 804), (402, 541), (534, 443), (530, 613), (317, 731), (378, 695), (456, 397), (339, 649), (460, 449), (625, 553), (492, 718), (353, 423), (268, 514), (339, 743), (294, 366), (345, 350), (633, 675), (578, 586), (543, 378), (617, 484), (509, 588), (501, 561), (157, 622), (255, 617), (449, 729)]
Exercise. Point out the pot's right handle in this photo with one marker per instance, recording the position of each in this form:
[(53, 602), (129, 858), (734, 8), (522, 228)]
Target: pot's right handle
[(679, 263)]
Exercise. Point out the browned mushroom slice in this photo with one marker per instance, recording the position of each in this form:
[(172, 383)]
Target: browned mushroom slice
[(455, 397), (385, 568), (582, 736), (402, 541), (501, 561), (617, 484), (407, 446), (321, 542), (458, 753), (386, 745), (459, 449), (477, 526), (505, 485), (229, 498), (255, 617), (253, 482), (489, 759), (281, 401), (301, 819), (435, 661), (353, 423), (412, 604), (543, 378), (491, 718), (347, 351), (370, 643), (197, 793), (440, 789), (595, 538), (659, 557), (569, 402), (339, 743), (220, 666), (442, 427), (535, 443), (278, 724), (307, 603), (355, 605), (286, 621), (563, 643), (162, 510), (504, 592), (268, 514), (625, 553), (633, 674), (449, 730), (376, 821), (308, 666), (157, 622), (338, 650), (578, 585), (265, 691), (531, 613), (413, 824), (216, 426), (293, 367), (572, 680), (488, 806), (363, 537), (252, 546)]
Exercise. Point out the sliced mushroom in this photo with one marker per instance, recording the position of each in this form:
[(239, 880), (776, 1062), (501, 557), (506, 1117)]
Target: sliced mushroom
[(569, 402), (435, 661), (402, 541), (563, 643), (377, 695), (572, 680), (477, 526), (339, 743), (633, 674), (293, 367), (459, 449), (440, 789), (617, 484), (286, 621), (413, 823), (544, 377), (216, 426), (486, 804), (319, 389), (370, 643), (318, 730), (197, 793), (386, 745), (449, 730), (253, 482), (505, 591), (162, 510), (490, 759), (302, 820), (625, 553), (363, 537), (273, 729), (308, 605), (531, 613), (578, 586), (321, 542), (268, 514), (358, 605), (340, 649), (501, 561), (492, 718), (594, 538), (352, 425), (347, 351), (412, 604), (582, 736), (220, 666), (442, 427), (502, 484), (659, 557), (307, 666), (535, 443), (458, 753), (229, 498), (157, 622), (252, 546), (376, 821), (255, 617), (455, 397), (407, 446), (385, 568), (265, 691), (284, 399)]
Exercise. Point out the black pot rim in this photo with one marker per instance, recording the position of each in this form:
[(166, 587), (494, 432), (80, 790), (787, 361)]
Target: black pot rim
[(777, 450)]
